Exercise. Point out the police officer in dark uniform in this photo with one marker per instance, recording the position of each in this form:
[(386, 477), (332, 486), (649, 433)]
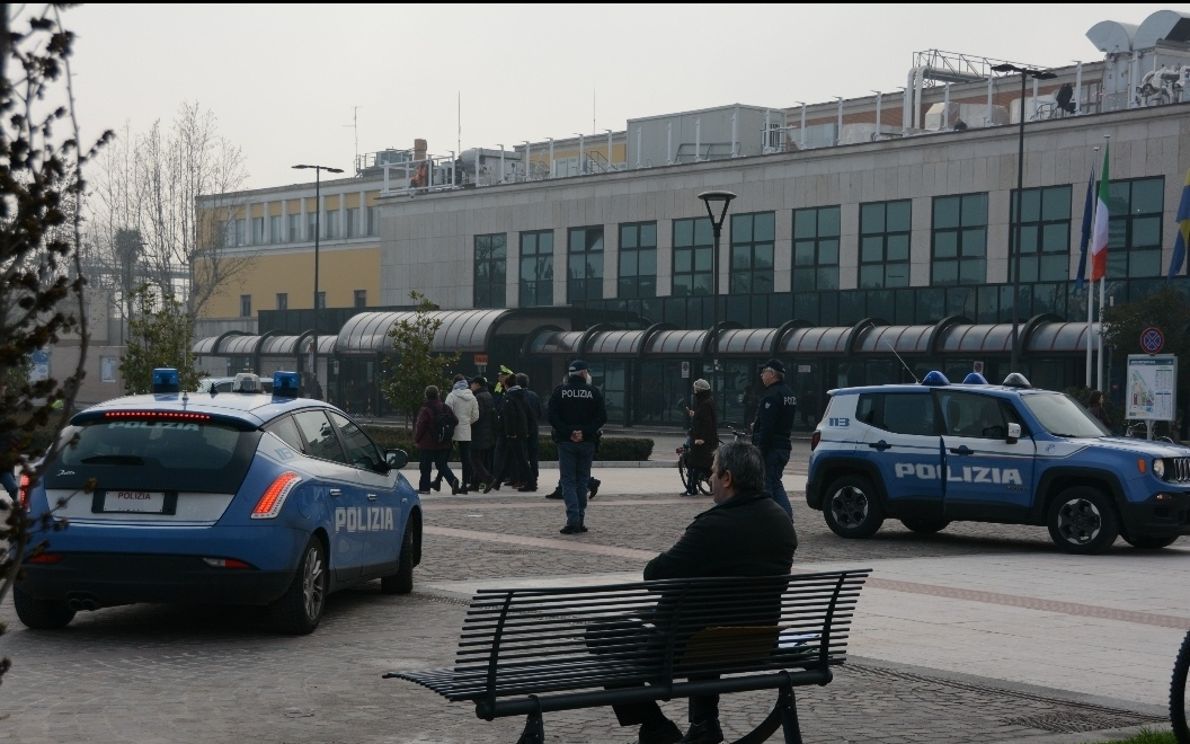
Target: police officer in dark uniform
[(770, 432), (577, 413)]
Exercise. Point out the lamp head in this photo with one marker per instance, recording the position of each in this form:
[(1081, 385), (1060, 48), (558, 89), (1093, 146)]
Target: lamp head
[(717, 200)]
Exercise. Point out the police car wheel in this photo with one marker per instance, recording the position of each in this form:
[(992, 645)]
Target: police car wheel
[(852, 508), (40, 614), (402, 581), (1083, 520), (925, 525), (1149, 542), (299, 610)]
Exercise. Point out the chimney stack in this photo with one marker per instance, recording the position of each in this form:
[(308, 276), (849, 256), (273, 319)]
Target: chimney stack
[(419, 149)]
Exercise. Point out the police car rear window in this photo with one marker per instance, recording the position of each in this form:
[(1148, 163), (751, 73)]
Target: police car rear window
[(899, 413), (157, 456)]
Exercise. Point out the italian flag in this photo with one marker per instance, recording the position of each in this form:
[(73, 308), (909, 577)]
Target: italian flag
[(1099, 236)]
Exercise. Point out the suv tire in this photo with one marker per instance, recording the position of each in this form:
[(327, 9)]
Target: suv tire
[(851, 507), (1083, 520), (925, 525), (1148, 542)]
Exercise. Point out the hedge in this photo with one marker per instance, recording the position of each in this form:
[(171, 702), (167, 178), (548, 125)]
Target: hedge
[(610, 448)]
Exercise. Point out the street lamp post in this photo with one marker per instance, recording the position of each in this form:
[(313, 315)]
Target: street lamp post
[(715, 200), (1015, 257), (317, 229)]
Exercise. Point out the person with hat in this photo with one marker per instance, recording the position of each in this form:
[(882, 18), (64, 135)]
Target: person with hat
[(704, 435), (577, 413), (772, 428), (483, 435)]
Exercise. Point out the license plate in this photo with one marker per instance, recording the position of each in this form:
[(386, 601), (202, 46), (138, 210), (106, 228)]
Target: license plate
[(147, 502)]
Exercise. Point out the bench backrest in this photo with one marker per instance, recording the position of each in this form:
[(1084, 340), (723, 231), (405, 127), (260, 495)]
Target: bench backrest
[(532, 641)]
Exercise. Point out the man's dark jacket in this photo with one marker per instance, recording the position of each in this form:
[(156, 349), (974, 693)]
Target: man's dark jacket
[(748, 535), (774, 418)]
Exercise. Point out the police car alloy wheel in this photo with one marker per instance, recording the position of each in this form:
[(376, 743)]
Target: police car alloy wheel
[(300, 609), (852, 508), (1083, 520)]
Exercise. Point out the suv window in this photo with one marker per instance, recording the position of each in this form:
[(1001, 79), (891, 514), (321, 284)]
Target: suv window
[(899, 413), (974, 415), (360, 451), (320, 438)]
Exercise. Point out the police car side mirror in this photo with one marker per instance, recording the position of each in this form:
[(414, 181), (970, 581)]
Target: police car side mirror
[(1014, 433), (396, 459)]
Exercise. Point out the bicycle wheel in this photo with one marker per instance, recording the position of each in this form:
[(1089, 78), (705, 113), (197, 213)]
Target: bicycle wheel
[(1179, 704), (684, 471)]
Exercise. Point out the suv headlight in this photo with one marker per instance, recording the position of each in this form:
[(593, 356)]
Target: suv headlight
[(1159, 467)]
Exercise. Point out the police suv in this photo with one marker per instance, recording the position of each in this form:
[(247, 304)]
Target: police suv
[(236, 497), (932, 453)]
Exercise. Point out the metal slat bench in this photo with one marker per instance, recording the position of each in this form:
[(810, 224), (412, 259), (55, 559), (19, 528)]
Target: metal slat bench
[(531, 650)]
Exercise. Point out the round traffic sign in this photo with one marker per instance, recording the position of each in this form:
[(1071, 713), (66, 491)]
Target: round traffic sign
[(1152, 340)]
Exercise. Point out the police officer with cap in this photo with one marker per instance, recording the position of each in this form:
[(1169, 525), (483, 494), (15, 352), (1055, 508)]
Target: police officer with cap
[(770, 432), (577, 413)]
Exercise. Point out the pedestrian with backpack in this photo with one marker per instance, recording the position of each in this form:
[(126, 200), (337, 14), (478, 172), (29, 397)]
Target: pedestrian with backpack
[(432, 435)]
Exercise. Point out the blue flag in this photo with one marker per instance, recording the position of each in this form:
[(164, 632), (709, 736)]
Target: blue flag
[(1085, 239), (1183, 219)]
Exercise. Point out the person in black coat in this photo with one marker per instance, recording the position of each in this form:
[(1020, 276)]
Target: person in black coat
[(536, 414), (745, 534), (771, 430), (483, 435), (511, 433), (704, 434)]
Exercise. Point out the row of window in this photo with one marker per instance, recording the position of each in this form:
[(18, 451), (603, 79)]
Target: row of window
[(288, 228), (360, 299), (958, 247)]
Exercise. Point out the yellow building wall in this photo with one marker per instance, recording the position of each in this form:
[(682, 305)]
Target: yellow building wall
[(340, 273)]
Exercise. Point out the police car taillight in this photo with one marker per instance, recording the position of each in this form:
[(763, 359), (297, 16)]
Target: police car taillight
[(23, 491), (46, 559), (815, 438), (274, 496)]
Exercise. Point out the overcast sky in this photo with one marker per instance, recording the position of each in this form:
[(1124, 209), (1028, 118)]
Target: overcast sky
[(283, 80)]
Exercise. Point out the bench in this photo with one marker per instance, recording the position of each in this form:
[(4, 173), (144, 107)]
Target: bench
[(532, 650)]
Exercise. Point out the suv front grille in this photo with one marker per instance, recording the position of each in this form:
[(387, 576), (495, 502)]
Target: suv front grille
[(1177, 469)]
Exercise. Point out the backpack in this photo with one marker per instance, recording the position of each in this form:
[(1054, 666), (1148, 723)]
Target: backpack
[(444, 424)]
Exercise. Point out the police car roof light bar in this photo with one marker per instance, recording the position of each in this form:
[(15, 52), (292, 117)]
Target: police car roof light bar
[(286, 384), (165, 380), (935, 378), (1017, 380), (974, 378)]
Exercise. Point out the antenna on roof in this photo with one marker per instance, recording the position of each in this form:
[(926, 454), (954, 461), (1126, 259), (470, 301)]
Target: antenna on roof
[(355, 126), (899, 359)]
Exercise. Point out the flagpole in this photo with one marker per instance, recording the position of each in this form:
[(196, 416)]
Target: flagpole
[(1102, 386), (1090, 297)]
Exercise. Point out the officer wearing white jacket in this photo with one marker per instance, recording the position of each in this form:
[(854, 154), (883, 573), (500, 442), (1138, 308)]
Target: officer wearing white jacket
[(466, 409)]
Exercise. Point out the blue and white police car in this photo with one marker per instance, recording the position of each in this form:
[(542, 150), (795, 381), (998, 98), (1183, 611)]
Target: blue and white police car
[(937, 452), (237, 497)]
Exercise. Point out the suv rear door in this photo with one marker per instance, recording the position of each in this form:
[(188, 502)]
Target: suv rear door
[(901, 440)]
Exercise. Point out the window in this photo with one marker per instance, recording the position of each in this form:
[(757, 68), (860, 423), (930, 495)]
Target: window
[(330, 222), (1045, 234), (1134, 231), (352, 223), (108, 365), (584, 264), (282, 300), (638, 260), (371, 220), (960, 239), (361, 299), (971, 415), (884, 244), (537, 268), (320, 439), (321, 299), (312, 225), (275, 229), (286, 430), (693, 243), (246, 306), (295, 228), (752, 253), (491, 269), (815, 249), (228, 230), (361, 452), (257, 230), (241, 231), (899, 413)]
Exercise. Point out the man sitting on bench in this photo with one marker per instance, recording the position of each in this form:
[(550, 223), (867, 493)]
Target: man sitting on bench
[(745, 534)]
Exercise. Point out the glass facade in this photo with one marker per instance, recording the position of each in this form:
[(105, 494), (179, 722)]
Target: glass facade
[(752, 238), (537, 268), (884, 229), (638, 260), (584, 259), (693, 243), (490, 266), (815, 249), (1134, 230), (1045, 233), (959, 240)]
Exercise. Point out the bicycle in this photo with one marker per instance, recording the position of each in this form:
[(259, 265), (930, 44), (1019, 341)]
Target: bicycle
[(703, 480), (1179, 704)]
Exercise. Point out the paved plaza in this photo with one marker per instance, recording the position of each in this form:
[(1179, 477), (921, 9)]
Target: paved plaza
[(983, 633)]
